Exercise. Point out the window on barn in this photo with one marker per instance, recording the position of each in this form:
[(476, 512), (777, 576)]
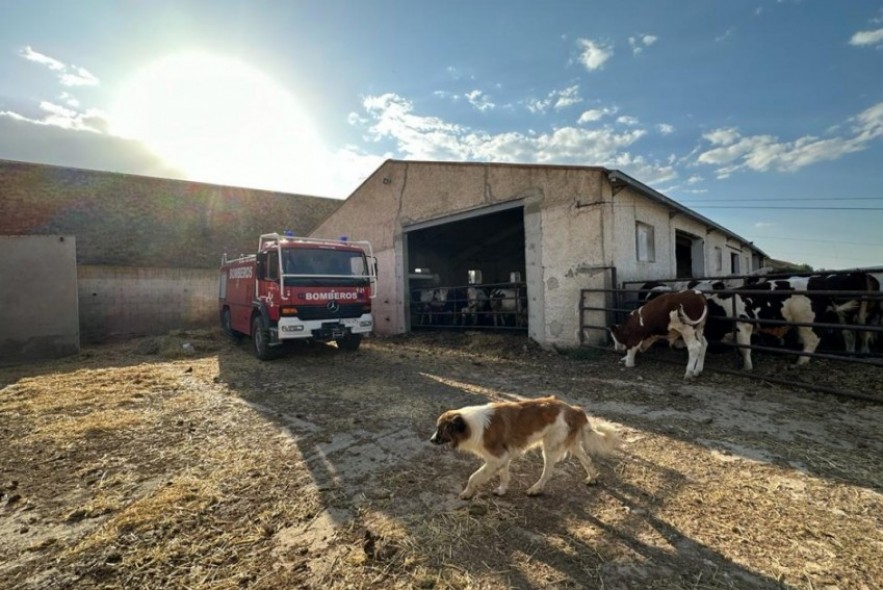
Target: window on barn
[(474, 276), (718, 259), (734, 263), (646, 245)]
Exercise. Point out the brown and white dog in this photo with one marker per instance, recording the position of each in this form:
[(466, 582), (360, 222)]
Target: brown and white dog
[(501, 431)]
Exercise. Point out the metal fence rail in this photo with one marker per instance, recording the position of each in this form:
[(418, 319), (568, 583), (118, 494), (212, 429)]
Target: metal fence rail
[(453, 311), (621, 311), (619, 302)]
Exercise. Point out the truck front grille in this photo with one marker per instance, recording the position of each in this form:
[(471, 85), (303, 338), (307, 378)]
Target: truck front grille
[(321, 312)]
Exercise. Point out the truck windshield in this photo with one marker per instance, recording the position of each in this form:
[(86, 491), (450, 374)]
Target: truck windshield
[(324, 266)]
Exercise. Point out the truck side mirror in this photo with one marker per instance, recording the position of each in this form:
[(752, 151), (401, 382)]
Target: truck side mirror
[(260, 266)]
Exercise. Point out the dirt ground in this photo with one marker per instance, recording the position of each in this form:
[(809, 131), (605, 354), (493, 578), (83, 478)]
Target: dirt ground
[(138, 465)]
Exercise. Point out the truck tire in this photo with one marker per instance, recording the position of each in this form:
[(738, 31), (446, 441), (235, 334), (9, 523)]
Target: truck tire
[(260, 339), (350, 342), (227, 326)]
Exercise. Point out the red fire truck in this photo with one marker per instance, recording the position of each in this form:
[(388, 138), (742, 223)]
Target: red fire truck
[(299, 289)]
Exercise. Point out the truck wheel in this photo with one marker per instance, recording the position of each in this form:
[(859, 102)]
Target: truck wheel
[(350, 342), (260, 339), (227, 326)]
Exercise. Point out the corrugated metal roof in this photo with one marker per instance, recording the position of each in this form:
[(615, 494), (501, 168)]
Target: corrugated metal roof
[(615, 176)]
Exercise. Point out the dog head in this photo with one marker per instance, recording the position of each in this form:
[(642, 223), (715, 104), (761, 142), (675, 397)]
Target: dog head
[(450, 428)]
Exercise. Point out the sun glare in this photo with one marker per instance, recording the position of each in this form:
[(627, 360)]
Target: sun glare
[(220, 120)]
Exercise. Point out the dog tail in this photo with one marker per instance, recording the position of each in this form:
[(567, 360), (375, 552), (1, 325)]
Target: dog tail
[(601, 440)]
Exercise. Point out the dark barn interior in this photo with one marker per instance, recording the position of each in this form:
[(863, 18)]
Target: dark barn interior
[(486, 251)]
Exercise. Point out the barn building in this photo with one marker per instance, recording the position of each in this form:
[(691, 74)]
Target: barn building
[(549, 230), (131, 255)]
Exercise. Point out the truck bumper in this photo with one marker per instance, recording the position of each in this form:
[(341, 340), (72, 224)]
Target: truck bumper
[(323, 330)]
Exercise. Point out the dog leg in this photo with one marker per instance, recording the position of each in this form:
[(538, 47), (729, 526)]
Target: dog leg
[(550, 457), (481, 476), (504, 479), (591, 473)]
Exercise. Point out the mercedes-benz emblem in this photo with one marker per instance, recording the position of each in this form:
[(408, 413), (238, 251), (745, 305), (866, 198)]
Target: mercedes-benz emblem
[(333, 306)]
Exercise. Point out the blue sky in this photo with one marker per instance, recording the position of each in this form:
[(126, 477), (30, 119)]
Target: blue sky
[(764, 115)]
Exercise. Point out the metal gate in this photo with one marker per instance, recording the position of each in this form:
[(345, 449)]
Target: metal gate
[(619, 301), (498, 306)]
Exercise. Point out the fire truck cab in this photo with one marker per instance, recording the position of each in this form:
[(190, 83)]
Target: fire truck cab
[(297, 288)]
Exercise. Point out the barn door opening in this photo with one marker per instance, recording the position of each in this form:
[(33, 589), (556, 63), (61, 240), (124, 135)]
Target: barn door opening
[(689, 255), (467, 271)]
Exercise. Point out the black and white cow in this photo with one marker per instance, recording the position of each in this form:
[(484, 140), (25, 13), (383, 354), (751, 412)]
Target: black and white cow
[(506, 302), (431, 304), (477, 304), (763, 300), (850, 309)]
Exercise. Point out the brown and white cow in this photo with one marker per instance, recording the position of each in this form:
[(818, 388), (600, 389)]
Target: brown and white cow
[(672, 316)]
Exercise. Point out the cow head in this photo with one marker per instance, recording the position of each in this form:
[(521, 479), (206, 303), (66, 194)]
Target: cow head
[(616, 334)]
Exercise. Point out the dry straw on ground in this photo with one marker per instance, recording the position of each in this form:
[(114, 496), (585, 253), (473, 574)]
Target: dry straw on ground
[(139, 465)]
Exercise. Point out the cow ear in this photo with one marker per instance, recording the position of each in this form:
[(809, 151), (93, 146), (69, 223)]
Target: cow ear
[(459, 424)]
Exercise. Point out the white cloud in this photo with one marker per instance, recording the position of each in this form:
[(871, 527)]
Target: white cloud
[(627, 120), (665, 128), (79, 145), (356, 119), (80, 77), (764, 224), (67, 75), (593, 115), (91, 120), (734, 152), (567, 97), (726, 35), (538, 105), (51, 63), (421, 137), (69, 100), (724, 136), (638, 43), (430, 138), (593, 54), (869, 123), (480, 100), (557, 99), (867, 38)]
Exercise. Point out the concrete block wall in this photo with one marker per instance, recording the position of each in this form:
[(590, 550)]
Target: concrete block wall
[(119, 302), (38, 298), (148, 249), (127, 220)]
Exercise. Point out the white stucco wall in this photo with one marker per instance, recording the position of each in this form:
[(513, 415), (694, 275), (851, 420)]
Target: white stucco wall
[(574, 229), (630, 207)]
